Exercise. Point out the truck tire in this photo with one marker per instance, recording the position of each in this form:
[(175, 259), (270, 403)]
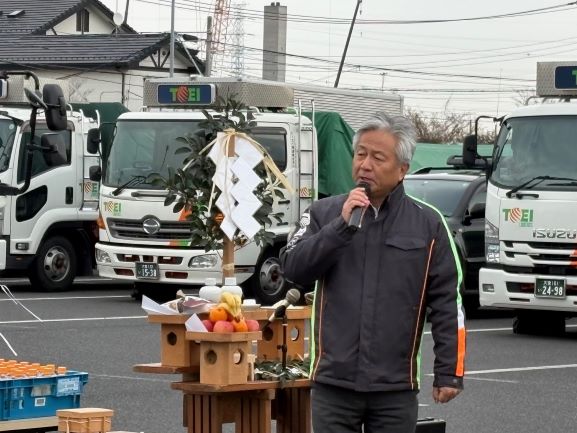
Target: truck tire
[(267, 283), (54, 268), (549, 323)]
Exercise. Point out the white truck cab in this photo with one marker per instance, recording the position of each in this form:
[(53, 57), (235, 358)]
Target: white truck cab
[(530, 227), (48, 205)]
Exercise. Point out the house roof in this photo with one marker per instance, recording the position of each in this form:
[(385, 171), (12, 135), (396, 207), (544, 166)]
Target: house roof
[(24, 42), (41, 15), (103, 51)]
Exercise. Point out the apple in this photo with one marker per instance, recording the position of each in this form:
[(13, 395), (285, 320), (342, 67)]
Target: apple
[(208, 325), (223, 326), (252, 325)]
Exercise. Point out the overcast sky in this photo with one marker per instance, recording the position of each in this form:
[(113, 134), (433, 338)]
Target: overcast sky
[(475, 66)]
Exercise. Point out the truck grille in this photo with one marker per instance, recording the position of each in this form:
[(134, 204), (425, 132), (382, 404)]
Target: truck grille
[(133, 229), (535, 254)]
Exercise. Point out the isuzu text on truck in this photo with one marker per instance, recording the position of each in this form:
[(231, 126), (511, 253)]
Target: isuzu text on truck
[(144, 241), (531, 207)]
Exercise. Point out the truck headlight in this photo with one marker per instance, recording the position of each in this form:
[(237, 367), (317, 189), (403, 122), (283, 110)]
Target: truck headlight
[(102, 256), (492, 246), (203, 262)]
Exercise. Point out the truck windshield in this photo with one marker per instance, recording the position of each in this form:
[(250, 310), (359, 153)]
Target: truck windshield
[(7, 132), (141, 148), (529, 147)]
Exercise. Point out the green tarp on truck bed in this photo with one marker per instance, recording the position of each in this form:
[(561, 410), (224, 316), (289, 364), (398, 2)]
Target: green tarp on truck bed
[(335, 153)]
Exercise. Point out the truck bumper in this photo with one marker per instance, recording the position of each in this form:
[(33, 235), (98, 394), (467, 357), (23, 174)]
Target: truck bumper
[(506, 292), (119, 262)]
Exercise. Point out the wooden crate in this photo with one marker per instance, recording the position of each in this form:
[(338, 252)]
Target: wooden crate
[(268, 347), (176, 350), (224, 356), (84, 420)]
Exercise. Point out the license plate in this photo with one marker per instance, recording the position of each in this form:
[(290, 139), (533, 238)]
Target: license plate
[(549, 288), (147, 270)]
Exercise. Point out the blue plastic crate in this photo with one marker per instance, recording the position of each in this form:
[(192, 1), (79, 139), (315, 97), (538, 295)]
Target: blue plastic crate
[(40, 396)]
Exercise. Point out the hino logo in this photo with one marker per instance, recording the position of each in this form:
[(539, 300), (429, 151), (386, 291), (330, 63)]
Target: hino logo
[(151, 226), (554, 233)]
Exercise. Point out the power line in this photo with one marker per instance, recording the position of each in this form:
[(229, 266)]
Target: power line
[(251, 13)]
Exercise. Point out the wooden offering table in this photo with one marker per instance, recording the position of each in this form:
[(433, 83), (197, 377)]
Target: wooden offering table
[(250, 406)]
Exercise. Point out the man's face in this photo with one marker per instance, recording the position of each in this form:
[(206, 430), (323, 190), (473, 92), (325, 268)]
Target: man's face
[(375, 162)]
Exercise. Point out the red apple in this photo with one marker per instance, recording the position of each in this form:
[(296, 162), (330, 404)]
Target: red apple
[(223, 326), (208, 325), (253, 325)]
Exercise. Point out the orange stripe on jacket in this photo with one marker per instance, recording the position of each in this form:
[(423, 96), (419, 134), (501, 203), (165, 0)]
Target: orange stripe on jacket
[(462, 335)]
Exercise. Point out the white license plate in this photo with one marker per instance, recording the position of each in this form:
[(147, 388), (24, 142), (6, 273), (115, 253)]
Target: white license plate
[(147, 271)]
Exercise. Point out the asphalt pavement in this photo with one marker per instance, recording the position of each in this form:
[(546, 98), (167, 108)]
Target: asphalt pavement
[(514, 383)]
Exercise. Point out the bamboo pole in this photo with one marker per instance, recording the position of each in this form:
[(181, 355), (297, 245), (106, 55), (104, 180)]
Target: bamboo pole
[(228, 245)]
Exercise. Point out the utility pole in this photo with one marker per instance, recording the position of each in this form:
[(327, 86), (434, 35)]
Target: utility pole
[(208, 64), (347, 43), (172, 40)]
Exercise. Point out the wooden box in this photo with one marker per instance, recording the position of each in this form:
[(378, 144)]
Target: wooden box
[(84, 420), (224, 356), (176, 350), (269, 347)]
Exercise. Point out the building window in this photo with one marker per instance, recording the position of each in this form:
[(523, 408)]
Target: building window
[(83, 21)]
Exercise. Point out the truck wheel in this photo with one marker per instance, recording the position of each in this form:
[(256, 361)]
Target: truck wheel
[(267, 283), (54, 268), (548, 323)]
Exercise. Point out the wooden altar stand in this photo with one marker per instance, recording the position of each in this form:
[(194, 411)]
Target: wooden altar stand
[(250, 406)]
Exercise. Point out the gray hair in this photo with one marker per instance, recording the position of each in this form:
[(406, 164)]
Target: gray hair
[(399, 126)]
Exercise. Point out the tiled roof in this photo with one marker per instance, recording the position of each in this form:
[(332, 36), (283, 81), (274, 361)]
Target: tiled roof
[(24, 42), (41, 15), (120, 50)]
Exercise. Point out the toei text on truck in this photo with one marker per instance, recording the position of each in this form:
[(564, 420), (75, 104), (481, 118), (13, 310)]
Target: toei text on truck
[(531, 228), (48, 205), (144, 241)]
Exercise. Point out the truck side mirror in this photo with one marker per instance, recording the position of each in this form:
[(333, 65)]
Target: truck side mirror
[(470, 150), (54, 149), (95, 173), (93, 141), (56, 107), (477, 210)]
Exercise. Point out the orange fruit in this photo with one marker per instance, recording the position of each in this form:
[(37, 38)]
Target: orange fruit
[(216, 314), (240, 325)]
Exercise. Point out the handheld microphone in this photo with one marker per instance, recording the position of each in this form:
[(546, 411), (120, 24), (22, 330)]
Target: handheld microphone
[(291, 298), (356, 218)]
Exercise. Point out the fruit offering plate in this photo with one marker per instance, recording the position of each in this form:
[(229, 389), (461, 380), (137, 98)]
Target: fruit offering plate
[(223, 337)]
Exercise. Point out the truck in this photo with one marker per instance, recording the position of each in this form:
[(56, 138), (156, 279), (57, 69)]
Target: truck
[(48, 204), (143, 241), (531, 203)]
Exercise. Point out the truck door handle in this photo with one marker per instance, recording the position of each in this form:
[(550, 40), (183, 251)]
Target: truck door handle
[(284, 201), (69, 195)]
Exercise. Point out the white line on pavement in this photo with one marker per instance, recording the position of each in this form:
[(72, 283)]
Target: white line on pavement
[(78, 319), (55, 298), (147, 379), (486, 379), (513, 370)]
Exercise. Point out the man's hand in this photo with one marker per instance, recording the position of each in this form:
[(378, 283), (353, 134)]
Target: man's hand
[(357, 198), (444, 394)]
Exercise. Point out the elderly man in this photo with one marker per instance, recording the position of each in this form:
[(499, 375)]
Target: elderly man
[(374, 285)]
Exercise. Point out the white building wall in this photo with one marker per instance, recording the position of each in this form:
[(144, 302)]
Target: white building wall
[(98, 24), (105, 86)]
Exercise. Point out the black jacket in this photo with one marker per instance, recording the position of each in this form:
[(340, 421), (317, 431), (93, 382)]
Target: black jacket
[(373, 289)]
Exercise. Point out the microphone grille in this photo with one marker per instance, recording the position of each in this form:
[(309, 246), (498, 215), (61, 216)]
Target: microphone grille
[(293, 296)]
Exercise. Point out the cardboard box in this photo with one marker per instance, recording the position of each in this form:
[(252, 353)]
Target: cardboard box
[(84, 420)]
